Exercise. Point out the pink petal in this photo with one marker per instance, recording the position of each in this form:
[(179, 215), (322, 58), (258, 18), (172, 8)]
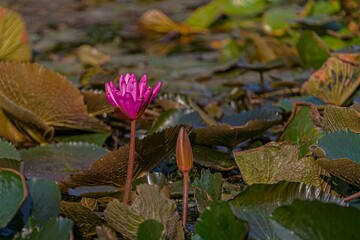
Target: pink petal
[(132, 87), (127, 76), (142, 85), (110, 93), (155, 91), (130, 106), (121, 113), (145, 100)]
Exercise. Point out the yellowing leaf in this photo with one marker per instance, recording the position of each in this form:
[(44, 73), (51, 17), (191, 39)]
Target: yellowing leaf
[(335, 81), (37, 99), (14, 43)]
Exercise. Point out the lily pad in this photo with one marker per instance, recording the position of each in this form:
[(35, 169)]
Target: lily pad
[(55, 228), (312, 50), (111, 168), (7, 150), (300, 128), (150, 230), (207, 189), (345, 169), (278, 19), (334, 82), (243, 8), (315, 220), (219, 222), (340, 118), (14, 42), (258, 201), (212, 158), (275, 162), (341, 144), (85, 220), (60, 160), (96, 103), (205, 15), (13, 192), (237, 128), (38, 100), (46, 198), (149, 204)]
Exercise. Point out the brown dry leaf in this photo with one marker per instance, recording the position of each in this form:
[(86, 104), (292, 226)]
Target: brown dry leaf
[(263, 53), (37, 99), (275, 162), (14, 42), (90, 203), (105, 233), (340, 118), (151, 203), (97, 103), (85, 220), (111, 168), (336, 80), (344, 168), (92, 56)]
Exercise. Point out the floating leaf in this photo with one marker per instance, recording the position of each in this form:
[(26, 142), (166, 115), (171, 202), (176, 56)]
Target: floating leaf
[(237, 128), (94, 191), (12, 163), (111, 168), (212, 158), (312, 50), (219, 222), (12, 193), (46, 198), (96, 103), (85, 220), (7, 150), (55, 228), (275, 162), (243, 8), (150, 230), (38, 99), (149, 204), (345, 169), (258, 201), (300, 128), (278, 19), (287, 103), (334, 82), (14, 42), (340, 118), (341, 144), (207, 189), (60, 160), (316, 220), (91, 138), (205, 15), (92, 56)]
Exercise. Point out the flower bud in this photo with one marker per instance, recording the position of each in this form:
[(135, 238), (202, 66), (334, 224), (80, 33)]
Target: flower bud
[(184, 155)]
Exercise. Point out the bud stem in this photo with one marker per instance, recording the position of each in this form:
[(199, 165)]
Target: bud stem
[(185, 198), (130, 169)]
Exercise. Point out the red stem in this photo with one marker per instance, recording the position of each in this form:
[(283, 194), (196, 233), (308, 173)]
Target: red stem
[(185, 198), (352, 197), (130, 169)]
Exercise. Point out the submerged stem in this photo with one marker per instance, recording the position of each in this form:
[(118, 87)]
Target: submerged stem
[(185, 198), (130, 169)]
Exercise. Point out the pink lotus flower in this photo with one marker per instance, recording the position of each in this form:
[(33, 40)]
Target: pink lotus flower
[(132, 98)]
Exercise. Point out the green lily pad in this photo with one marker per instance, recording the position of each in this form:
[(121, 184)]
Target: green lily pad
[(258, 201), (151, 203), (59, 161), (12, 193), (243, 8), (12, 163), (150, 230), (236, 129), (55, 228), (219, 222), (340, 118), (275, 162), (205, 15), (287, 103), (14, 42), (312, 50), (278, 19), (46, 198), (111, 168), (7, 150), (316, 220), (207, 189), (341, 144), (85, 220), (345, 169), (300, 128)]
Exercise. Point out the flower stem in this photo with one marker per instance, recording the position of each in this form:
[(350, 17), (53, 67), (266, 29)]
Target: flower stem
[(130, 169), (185, 198), (352, 197)]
